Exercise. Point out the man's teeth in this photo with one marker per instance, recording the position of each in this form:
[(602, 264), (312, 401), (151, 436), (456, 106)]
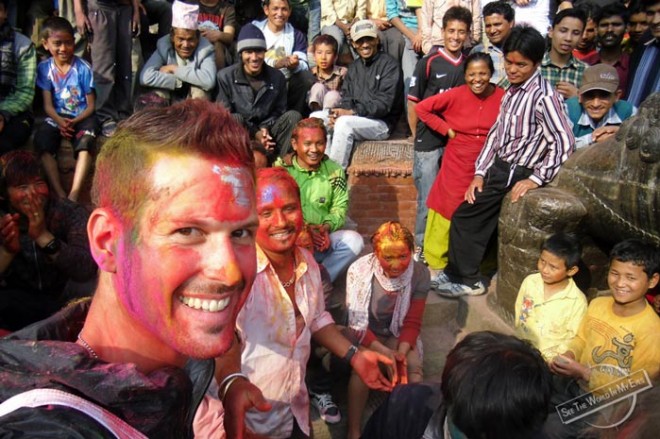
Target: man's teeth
[(205, 305)]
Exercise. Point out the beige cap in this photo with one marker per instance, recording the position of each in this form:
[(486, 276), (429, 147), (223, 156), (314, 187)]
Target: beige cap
[(364, 28), (600, 77)]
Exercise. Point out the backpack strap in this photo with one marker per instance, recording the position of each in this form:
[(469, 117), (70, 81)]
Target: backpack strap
[(40, 397)]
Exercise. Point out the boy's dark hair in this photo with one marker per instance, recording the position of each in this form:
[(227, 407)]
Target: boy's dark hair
[(636, 7), (479, 56), (589, 8), (570, 13), (649, 3), (565, 246), (639, 253), (611, 10), (526, 40), (499, 7), (267, 3), (18, 167), (326, 39), (457, 13), (55, 24), (496, 386)]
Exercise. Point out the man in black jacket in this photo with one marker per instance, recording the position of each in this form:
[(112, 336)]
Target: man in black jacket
[(255, 94), (372, 96)]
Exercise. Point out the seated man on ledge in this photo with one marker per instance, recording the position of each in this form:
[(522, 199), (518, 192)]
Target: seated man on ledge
[(372, 96), (183, 65)]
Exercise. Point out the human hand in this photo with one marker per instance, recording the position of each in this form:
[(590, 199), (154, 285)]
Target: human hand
[(135, 23), (212, 35), (9, 232), (382, 24), (603, 133), (293, 62), (320, 237), (365, 363), (417, 42), (82, 23), (241, 397), (34, 211), (266, 140), (522, 2), (451, 133), (169, 68), (567, 366), (477, 184), (566, 89), (520, 189)]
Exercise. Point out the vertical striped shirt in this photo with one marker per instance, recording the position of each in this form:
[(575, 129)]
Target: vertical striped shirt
[(531, 131)]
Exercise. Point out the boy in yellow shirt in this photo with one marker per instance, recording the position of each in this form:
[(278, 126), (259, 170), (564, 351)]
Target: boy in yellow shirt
[(550, 307), (622, 332)]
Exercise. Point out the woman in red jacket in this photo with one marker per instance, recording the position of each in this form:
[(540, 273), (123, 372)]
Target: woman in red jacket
[(464, 114)]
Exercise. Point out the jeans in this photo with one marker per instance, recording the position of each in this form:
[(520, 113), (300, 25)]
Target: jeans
[(409, 60), (425, 169), (345, 247), (314, 27), (348, 130)]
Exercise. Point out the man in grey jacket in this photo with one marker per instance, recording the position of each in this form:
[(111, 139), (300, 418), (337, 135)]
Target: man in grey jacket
[(183, 65)]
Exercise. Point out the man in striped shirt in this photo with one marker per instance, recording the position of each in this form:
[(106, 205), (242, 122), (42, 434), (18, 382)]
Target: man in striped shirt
[(524, 150)]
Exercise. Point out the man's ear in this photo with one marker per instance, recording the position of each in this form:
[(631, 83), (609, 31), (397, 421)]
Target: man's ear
[(104, 231), (618, 94), (653, 281)]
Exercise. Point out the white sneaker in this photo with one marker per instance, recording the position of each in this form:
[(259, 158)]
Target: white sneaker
[(328, 410), (439, 280), (454, 290)]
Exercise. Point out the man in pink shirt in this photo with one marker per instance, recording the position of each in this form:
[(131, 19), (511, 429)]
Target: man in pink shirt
[(284, 311)]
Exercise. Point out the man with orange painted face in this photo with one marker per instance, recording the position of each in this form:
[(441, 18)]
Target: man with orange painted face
[(285, 311), (173, 237)]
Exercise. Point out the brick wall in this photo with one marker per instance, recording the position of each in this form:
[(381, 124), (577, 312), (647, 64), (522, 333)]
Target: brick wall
[(381, 185)]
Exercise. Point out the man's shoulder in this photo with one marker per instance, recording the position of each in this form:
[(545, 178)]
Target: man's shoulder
[(21, 43)]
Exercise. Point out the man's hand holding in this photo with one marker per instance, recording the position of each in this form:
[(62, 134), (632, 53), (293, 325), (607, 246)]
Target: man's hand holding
[(566, 89), (603, 133), (567, 366), (169, 68), (266, 140), (241, 397), (365, 363), (9, 232), (320, 237)]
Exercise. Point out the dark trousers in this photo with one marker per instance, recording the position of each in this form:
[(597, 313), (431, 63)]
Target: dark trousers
[(299, 85), (16, 132), (472, 225)]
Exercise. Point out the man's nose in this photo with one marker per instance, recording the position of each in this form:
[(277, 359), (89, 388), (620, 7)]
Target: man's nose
[(221, 262)]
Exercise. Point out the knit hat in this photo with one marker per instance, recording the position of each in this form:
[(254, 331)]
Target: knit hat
[(364, 28), (250, 37), (600, 77), (184, 15)]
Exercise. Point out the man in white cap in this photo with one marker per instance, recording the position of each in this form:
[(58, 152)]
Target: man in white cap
[(183, 65), (597, 112), (372, 96)]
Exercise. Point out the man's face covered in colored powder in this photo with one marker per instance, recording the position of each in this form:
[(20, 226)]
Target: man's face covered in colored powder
[(186, 267), (280, 216)]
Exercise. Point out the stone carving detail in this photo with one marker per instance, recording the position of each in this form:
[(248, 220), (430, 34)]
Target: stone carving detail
[(606, 192)]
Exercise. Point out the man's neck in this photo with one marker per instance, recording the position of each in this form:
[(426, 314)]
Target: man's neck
[(273, 28), (558, 59), (281, 261), (118, 338), (455, 55), (610, 55)]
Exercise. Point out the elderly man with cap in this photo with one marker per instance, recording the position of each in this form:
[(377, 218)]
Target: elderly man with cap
[(597, 112), (183, 65), (372, 98), (256, 94)]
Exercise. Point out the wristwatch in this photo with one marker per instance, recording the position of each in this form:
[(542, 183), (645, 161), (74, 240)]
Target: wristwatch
[(52, 247), (349, 355)]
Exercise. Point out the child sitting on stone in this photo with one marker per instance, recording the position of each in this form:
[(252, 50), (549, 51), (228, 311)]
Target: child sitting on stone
[(550, 307), (67, 85), (325, 93)]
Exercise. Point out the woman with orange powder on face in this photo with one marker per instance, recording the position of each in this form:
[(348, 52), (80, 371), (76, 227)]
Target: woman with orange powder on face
[(385, 295), (464, 114)]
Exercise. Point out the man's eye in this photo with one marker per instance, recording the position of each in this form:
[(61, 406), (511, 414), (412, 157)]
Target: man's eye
[(187, 231), (242, 233)]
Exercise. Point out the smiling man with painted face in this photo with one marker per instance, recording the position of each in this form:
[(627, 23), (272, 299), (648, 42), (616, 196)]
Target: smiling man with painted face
[(173, 236)]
